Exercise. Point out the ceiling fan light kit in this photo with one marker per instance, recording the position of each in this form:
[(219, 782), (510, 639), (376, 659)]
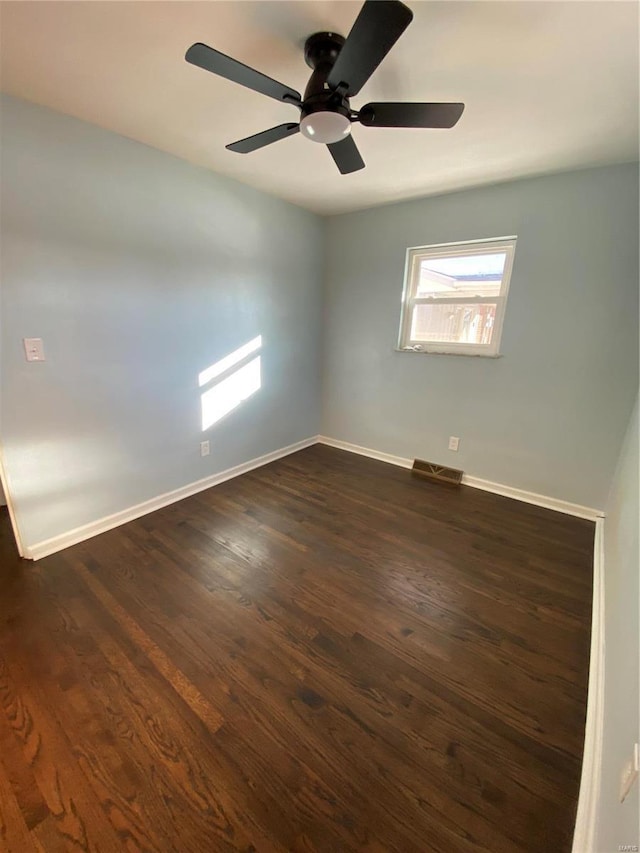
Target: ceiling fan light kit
[(341, 67), (325, 126)]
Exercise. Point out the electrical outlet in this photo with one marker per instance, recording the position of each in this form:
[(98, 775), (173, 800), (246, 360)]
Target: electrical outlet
[(204, 448), (629, 772), (454, 441)]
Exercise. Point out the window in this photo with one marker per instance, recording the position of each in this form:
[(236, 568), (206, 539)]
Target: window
[(455, 297)]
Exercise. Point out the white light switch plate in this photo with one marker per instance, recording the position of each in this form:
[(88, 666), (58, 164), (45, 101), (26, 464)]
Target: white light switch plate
[(34, 349), (204, 448)]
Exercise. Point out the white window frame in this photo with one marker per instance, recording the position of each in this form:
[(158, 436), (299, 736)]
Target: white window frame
[(414, 257)]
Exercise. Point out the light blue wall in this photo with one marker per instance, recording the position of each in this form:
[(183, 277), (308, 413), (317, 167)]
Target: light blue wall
[(139, 271), (549, 416), (619, 824)]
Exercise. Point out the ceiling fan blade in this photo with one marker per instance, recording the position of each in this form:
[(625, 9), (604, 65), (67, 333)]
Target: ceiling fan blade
[(224, 66), (346, 155), (259, 140), (375, 31), (410, 115)]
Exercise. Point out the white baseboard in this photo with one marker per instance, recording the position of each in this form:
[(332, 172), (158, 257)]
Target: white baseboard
[(475, 482), (400, 461), (584, 838), (532, 498), (101, 525)]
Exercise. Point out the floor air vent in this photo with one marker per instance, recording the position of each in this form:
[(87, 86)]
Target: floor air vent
[(431, 471)]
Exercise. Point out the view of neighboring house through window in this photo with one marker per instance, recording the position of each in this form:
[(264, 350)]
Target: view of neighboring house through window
[(455, 297)]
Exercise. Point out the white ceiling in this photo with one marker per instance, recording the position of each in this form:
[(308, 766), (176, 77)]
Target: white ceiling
[(548, 86)]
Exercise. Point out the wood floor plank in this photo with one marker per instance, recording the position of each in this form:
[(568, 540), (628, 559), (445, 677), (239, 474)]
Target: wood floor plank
[(14, 832), (79, 819), (321, 655)]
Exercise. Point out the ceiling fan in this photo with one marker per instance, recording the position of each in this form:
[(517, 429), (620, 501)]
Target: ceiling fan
[(341, 67)]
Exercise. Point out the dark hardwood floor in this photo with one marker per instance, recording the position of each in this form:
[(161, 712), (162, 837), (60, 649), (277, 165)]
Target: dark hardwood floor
[(321, 655)]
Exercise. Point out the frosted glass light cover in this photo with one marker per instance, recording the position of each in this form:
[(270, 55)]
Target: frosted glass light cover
[(325, 127)]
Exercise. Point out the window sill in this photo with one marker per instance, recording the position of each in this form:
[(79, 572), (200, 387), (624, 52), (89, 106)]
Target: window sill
[(444, 352)]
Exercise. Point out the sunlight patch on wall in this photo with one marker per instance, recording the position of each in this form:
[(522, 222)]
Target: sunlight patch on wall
[(229, 361), (228, 393)]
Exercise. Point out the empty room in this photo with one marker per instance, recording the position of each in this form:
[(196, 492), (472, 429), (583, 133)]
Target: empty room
[(319, 426)]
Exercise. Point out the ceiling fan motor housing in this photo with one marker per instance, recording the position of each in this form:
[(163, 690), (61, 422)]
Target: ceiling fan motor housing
[(320, 53)]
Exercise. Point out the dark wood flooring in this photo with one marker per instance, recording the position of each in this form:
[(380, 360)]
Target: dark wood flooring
[(321, 655)]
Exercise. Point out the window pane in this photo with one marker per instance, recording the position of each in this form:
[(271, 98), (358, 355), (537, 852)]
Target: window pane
[(460, 324), (465, 275)]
